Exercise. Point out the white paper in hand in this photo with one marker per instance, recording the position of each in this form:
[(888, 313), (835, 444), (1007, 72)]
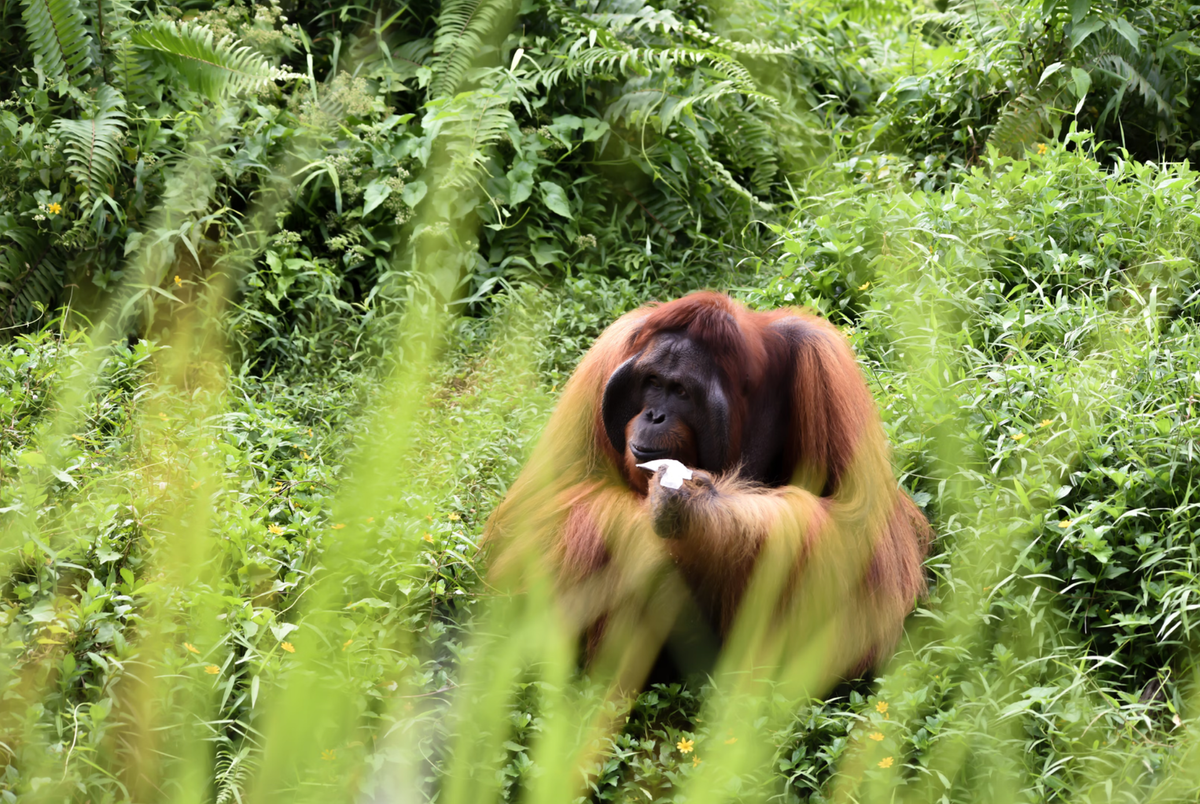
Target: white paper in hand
[(674, 476)]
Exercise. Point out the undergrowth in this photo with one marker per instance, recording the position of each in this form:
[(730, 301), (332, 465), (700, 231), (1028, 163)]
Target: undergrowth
[(289, 291)]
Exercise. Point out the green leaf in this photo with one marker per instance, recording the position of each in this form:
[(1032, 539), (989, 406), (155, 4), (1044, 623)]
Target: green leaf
[(1082, 30), (413, 192), (32, 459), (1049, 71), (376, 193), (63, 476), (58, 37), (1188, 48), (1082, 82), (520, 181), (1079, 9), (594, 128), (209, 67), (463, 27), (555, 199), (93, 141), (1122, 26)]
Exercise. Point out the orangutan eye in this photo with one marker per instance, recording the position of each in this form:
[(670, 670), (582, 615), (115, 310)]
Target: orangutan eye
[(680, 392), (654, 383)]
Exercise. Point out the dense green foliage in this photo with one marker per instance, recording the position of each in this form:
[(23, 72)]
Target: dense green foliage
[(287, 290)]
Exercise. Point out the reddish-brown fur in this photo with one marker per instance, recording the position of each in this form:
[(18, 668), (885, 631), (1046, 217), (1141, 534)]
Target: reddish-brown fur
[(850, 542)]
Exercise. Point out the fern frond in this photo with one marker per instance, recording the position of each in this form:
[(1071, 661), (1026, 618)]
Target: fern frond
[(210, 67), (1023, 120), (983, 18), (754, 49), (414, 53), (129, 68), (466, 126), (606, 62), (699, 151), (231, 772), (31, 278), (1144, 77), (462, 27), (107, 22), (668, 100), (93, 141), (57, 34), (751, 147)]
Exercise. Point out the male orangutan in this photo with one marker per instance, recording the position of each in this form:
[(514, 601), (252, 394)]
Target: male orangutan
[(791, 488)]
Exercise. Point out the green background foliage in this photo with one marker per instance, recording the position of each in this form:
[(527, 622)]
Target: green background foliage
[(288, 290)]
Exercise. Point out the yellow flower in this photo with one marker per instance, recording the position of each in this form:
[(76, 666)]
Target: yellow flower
[(288, 646), (876, 735), (370, 519), (881, 707), (190, 647), (429, 517), (453, 517), (347, 643), (731, 741), (1042, 148), (685, 745), (864, 286), (195, 484), (1012, 237), (211, 669), (886, 762), (1017, 436), (696, 761), (77, 437), (1045, 423), (1066, 523), (178, 281), (54, 208), (329, 755), (162, 416), (338, 526), (310, 431), (305, 455), (275, 530), (428, 538)]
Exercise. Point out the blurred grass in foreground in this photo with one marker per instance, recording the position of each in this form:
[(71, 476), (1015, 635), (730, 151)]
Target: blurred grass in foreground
[(222, 587)]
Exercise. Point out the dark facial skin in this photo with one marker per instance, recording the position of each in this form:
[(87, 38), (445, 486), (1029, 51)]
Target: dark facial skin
[(673, 375), (668, 402)]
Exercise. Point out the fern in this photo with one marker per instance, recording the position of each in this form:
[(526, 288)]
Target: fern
[(107, 23), (31, 271), (609, 62), (93, 141), (129, 68), (466, 126), (209, 67), (753, 49), (231, 772), (58, 37), (462, 26), (1144, 77), (983, 19), (749, 142), (698, 149), (1023, 120)]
